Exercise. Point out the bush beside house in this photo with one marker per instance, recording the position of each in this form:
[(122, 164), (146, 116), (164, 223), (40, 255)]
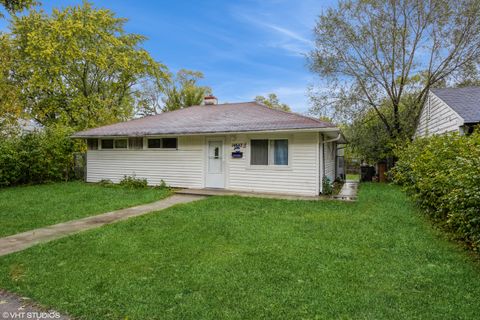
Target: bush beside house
[(37, 157), (442, 173)]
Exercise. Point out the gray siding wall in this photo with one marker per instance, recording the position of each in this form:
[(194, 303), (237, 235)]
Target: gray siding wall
[(437, 117)]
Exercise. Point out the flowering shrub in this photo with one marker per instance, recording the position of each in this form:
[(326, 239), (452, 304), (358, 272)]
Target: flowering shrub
[(442, 173)]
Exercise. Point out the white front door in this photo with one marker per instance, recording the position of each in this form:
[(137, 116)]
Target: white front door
[(215, 177)]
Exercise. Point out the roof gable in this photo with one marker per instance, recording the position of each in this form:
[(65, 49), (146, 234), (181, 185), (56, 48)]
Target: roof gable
[(464, 101), (230, 117)]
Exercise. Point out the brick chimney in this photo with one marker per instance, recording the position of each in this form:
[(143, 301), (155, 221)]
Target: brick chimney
[(210, 100)]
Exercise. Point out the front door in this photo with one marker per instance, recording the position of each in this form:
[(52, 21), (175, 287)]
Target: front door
[(215, 166)]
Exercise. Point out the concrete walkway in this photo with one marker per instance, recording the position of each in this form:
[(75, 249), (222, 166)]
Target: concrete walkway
[(13, 306), (223, 192), (349, 191), (21, 241)]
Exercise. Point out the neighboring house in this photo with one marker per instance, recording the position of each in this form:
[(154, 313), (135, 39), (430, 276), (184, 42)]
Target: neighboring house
[(236, 146), (449, 110)]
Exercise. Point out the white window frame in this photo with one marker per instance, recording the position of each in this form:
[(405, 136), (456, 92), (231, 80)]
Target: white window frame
[(100, 145), (161, 143), (271, 154)]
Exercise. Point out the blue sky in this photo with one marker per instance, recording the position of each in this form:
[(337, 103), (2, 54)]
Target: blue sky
[(244, 48)]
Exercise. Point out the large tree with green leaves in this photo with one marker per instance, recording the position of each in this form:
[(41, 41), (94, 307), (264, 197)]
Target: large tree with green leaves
[(178, 91), (78, 67), (273, 102), (13, 6), (374, 52)]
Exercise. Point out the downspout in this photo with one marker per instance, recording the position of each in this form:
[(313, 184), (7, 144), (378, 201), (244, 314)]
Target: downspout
[(323, 154), (323, 159)]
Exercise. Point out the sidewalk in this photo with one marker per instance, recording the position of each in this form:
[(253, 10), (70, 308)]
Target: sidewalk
[(349, 191)]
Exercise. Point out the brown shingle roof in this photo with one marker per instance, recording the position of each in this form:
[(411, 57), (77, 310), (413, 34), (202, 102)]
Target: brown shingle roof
[(230, 117)]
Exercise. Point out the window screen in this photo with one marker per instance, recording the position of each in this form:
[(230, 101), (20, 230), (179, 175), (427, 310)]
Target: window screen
[(135, 143), (121, 144), (107, 144), (170, 143), (259, 152), (154, 143), (280, 152)]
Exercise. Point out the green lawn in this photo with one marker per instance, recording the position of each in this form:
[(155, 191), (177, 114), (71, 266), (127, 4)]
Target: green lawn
[(249, 258), (355, 177), (29, 207)]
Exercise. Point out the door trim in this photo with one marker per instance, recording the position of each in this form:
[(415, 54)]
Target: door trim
[(224, 164)]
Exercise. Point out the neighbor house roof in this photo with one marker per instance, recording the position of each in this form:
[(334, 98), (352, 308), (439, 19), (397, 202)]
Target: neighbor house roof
[(229, 117), (465, 101)]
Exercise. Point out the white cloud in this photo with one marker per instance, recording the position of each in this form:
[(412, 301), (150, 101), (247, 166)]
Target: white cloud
[(286, 32)]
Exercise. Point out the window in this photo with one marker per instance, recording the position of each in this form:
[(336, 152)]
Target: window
[(269, 152), (280, 152), (107, 143), (259, 152), (92, 144), (154, 143), (135, 143), (163, 143), (121, 144), (114, 143), (170, 143)]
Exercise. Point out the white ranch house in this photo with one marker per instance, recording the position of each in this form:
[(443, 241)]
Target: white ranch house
[(237, 146), (449, 110)]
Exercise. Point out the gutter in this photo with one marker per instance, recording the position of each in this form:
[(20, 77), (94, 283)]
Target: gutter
[(334, 139), (139, 135)]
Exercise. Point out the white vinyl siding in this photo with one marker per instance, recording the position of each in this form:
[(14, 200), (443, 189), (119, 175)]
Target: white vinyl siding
[(330, 160), (178, 168), (186, 166), (437, 117), (298, 177)]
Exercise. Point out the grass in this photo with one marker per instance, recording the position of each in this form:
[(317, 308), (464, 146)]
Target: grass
[(355, 177), (29, 207), (250, 258)]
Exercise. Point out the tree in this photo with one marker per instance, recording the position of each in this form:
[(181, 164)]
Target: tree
[(13, 6), (373, 51), (368, 137), (273, 102), (184, 91), (78, 67), (10, 106), (179, 91)]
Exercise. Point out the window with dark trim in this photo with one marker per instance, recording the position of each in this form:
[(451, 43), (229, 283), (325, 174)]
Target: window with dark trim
[(162, 143)]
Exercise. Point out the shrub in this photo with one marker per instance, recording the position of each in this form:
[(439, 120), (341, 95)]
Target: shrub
[(442, 174), (133, 182), (37, 157), (327, 186), (162, 185), (105, 183)]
